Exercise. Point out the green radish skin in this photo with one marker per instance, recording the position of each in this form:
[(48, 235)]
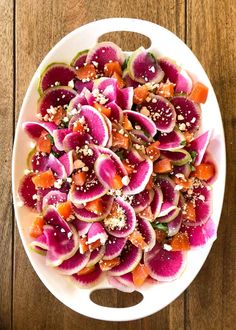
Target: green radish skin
[(77, 57), (170, 155)]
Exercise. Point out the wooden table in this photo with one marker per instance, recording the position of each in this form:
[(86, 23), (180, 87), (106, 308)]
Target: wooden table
[(28, 30)]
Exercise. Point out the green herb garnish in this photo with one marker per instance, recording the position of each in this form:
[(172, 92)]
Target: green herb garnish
[(183, 143)]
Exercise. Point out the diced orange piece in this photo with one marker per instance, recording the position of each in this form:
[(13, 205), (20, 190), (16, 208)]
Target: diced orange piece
[(204, 171), (147, 214), (166, 89), (190, 212), (79, 178), (57, 117), (140, 94), (44, 143), (160, 235), (119, 140), (101, 108), (95, 206), (188, 136), (83, 246), (150, 183), (94, 245), (109, 264), (199, 93), (186, 184), (180, 242), (112, 67), (140, 273), (78, 127), (65, 209), (86, 270), (129, 168), (162, 166), (153, 151), (136, 239), (127, 124), (44, 179), (120, 81), (117, 182), (36, 228), (86, 72)]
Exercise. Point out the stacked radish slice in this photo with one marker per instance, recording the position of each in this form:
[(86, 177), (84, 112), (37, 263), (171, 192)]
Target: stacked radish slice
[(118, 178)]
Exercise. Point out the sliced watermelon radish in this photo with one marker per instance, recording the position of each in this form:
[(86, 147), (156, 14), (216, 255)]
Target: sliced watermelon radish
[(166, 208), (77, 102), (74, 264), (105, 170), (39, 162), (129, 82), (57, 167), (79, 85), (88, 216), (58, 137), (140, 178), (147, 231), (177, 157), (184, 83), (114, 282), (125, 98), (157, 201), (142, 200), (97, 232), (116, 112), (75, 139), (174, 225), (107, 86), (200, 235), (169, 216), (171, 141), (82, 227), (56, 74), (40, 243), (134, 157), (80, 59), (162, 113), (143, 67), (53, 197), (109, 126), (96, 255), (139, 137), (146, 124), (130, 257), (170, 69), (27, 191), (167, 186), (55, 96), (114, 246), (103, 53), (184, 169), (199, 146), (67, 162), (163, 265), (188, 113), (125, 223), (53, 218), (126, 279), (34, 129), (88, 280)]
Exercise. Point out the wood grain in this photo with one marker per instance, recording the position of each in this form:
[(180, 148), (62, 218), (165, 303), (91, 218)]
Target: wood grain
[(211, 299), (6, 136)]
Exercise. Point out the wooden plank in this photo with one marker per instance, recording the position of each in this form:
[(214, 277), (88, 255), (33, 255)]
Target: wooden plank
[(6, 136), (211, 299), (47, 22)]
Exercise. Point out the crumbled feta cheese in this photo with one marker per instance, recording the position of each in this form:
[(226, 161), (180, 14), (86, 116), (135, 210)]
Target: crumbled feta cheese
[(69, 180), (58, 183), (180, 117), (178, 187), (144, 111), (182, 126), (180, 175), (26, 171), (152, 69), (35, 197), (125, 180), (167, 247), (78, 164), (85, 169), (65, 119), (71, 83)]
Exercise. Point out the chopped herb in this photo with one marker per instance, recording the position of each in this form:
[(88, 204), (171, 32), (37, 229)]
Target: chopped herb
[(57, 155), (153, 56), (192, 168), (183, 143), (50, 138), (124, 65), (193, 155), (160, 226), (120, 154)]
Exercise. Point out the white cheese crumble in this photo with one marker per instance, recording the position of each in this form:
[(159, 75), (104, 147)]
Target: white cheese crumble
[(167, 247), (71, 83), (125, 180), (58, 183)]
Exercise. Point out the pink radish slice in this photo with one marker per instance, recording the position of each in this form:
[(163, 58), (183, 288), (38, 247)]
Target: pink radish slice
[(107, 86), (200, 235), (96, 255), (78, 101), (58, 137), (116, 112), (203, 212), (146, 123), (40, 242), (27, 191), (67, 162), (105, 52), (109, 126), (142, 200), (129, 82), (169, 216), (53, 198), (138, 136), (59, 73), (171, 141), (88, 216), (188, 113), (164, 266), (126, 279), (147, 231), (55, 96), (80, 85), (105, 170), (125, 224), (183, 169), (88, 280), (57, 167), (134, 157), (125, 98), (53, 218), (114, 282), (130, 257), (80, 59), (140, 178), (113, 247), (39, 162), (184, 83), (34, 129), (174, 225), (208, 159), (81, 226), (166, 207), (162, 113), (97, 232), (75, 139), (199, 145), (170, 69), (177, 157), (157, 202), (74, 264), (167, 186)]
